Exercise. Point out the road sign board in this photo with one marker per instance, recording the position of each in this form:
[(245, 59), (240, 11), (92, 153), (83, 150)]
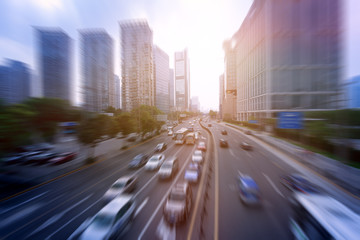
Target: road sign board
[(253, 121), (290, 120)]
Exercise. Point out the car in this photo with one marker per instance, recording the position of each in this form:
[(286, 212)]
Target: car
[(249, 192), (201, 146), (246, 146), (248, 132), (126, 184), (62, 158), (198, 157), (138, 161), (169, 168), (110, 221), (155, 162), (191, 129), (160, 147), (223, 132), (193, 173), (12, 159), (298, 183), (223, 143), (178, 204), (131, 139), (170, 133), (26, 156), (209, 125), (197, 135), (41, 158)]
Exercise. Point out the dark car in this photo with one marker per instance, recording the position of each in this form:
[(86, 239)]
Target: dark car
[(160, 147), (12, 159), (209, 125), (131, 139), (298, 183), (178, 205), (41, 158), (245, 146), (62, 158), (224, 132), (191, 129), (223, 143), (139, 161), (248, 132)]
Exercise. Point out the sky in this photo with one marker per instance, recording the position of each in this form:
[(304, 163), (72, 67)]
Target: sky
[(199, 25)]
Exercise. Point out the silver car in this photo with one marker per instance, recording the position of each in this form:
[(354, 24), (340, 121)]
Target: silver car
[(122, 185)]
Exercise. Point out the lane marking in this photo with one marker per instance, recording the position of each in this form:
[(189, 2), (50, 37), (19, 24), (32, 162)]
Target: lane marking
[(273, 185), (216, 220), (19, 215), (18, 205), (165, 196), (142, 205), (56, 217), (232, 153)]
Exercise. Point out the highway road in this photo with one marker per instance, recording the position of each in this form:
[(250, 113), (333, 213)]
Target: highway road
[(56, 209)]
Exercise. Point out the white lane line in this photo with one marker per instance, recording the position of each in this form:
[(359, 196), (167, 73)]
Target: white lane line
[(19, 215), (63, 226), (18, 205), (142, 205), (166, 232), (273, 185), (165, 196), (232, 153), (58, 216)]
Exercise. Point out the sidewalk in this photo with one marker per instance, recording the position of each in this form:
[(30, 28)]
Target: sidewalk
[(345, 176)]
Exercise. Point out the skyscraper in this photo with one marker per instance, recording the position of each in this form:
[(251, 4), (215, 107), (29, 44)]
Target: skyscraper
[(54, 55), (137, 77), (161, 77), (97, 65), (221, 95), (117, 92), (288, 58), (182, 81), (14, 82), (171, 89)]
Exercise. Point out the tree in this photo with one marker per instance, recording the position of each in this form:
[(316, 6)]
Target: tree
[(144, 116), (125, 123)]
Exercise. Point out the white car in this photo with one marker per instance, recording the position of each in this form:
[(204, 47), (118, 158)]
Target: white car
[(155, 162), (192, 173), (110, 221), (124, 184), (197, 157)]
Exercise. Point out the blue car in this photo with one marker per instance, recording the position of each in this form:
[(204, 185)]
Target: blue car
[(249, 192)]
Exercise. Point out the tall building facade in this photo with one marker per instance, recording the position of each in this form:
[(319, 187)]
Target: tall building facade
[(288, 58), (161, 77), (54, 55), (15, 78), (221, 95), (352, 89), (138, 85), (171, 89), (97, 65), (182, 81), (230, 83), (117, 83)]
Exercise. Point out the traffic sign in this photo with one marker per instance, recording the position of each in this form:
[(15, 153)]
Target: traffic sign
[(290, 120)]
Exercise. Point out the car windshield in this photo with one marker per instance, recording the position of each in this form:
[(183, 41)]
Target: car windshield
[(176, 196), (201, 144), (153, 159), (197, 153), (166, 166), (118, 185), (102, 220), (138, 157)]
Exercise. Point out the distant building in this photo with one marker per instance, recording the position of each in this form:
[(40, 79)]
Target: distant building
[(287, 58), (117, 91), (97, 69), (195, 104), (182, 81), (15, 80), (221, 95), (138, 85), (54, 55), (171, 89), (161, 77), (353, 92)]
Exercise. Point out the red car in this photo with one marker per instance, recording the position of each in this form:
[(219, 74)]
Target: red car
[(62, 158), (202, 146)]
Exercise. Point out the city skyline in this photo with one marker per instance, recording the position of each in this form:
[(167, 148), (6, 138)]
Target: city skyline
[(17, 42)]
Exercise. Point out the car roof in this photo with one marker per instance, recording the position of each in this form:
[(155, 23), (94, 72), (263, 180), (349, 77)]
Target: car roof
[(123, 179), (115, 204), (248, 182), (180, 187), (157, 155)]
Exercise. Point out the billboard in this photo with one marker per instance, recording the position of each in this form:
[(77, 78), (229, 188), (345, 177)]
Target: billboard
[(290, 120)]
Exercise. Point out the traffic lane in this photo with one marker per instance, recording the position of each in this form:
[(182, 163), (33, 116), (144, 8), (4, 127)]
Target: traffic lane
[(266, 217), (143, 179), (98, 181), (148, 217)]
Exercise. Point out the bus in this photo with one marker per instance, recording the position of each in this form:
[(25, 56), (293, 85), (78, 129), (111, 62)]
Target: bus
[(190, 138), (180, 135), (322, 217)]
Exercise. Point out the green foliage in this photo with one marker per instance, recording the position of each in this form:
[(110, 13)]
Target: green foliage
[(125, 123), (145, 120)]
